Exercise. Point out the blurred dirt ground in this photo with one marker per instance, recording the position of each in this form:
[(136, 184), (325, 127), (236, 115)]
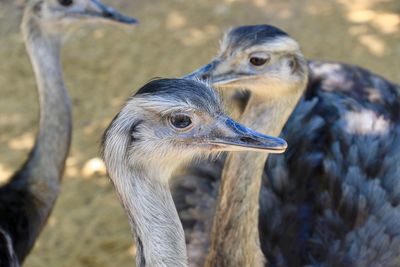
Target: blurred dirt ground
[(103, 66)]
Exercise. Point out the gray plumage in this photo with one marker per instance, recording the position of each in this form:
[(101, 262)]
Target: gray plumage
[(336, 191), (332, 199)]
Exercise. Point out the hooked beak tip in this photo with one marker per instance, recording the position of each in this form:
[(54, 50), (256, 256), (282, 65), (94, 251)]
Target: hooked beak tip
[(131, 21), (117, 17), (110, 13), (281, 147)]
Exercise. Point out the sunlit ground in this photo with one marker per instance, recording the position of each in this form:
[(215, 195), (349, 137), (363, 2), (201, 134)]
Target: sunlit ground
[(103, 66)]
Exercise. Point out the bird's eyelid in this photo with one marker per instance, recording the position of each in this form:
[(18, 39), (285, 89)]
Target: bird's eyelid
[(261, 54), (162, 106), (166, 112)]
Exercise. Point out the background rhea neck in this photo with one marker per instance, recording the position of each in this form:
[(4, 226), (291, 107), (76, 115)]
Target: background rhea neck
[(42, 171), (37, 183), (236, 217)]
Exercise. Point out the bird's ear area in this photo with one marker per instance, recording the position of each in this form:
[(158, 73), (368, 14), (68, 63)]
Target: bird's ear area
[(37, 8), (134, 129)]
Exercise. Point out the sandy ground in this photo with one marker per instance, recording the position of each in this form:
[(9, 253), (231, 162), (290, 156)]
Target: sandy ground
[(103, 66)]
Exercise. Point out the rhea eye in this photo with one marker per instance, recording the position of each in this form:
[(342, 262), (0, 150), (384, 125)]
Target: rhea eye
[(292, 64), (258, 61), (66, 2), (180, 121)]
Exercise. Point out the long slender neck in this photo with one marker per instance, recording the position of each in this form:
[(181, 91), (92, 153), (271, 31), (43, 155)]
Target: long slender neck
[(235, 235), (154, 220), (41, 174)]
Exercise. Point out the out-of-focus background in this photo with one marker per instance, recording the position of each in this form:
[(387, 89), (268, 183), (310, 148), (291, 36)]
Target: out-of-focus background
[(103, 66)]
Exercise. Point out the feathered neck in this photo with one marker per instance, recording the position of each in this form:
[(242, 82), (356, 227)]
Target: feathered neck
[(235, 236), (157, 230)]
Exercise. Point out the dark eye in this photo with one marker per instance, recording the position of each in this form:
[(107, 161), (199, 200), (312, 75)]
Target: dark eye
[(292, 64), (66, 2), (258, 61), (180, 121)]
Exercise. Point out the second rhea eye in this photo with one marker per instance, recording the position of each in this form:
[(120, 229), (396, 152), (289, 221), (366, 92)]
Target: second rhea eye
[(180, 121), (258, 61), (66, 2)]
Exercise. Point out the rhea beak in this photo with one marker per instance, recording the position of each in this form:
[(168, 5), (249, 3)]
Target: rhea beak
[(232, 136), (209, 73), (100, 10)]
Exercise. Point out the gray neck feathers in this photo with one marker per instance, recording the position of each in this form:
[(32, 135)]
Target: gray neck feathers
[(235, 235), (43, 170), (154, 220)]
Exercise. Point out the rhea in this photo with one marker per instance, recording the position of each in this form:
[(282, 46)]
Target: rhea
[(332, 199), (234, 234), (28, 198), (167, 123)]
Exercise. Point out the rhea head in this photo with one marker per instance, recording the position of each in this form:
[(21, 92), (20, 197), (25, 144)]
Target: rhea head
[(171, 121), (53, 17), (259, 58)]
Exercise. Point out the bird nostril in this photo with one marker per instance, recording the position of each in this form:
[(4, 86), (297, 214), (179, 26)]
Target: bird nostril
[(252, 141), (205, 76), (107, 14), (246, 140)]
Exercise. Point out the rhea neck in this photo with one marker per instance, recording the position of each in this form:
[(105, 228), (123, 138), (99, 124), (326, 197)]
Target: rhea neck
[(144, 191), (235, 235), (43, 170)]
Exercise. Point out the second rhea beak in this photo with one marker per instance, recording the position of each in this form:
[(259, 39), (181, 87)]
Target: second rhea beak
[(112, 14)]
